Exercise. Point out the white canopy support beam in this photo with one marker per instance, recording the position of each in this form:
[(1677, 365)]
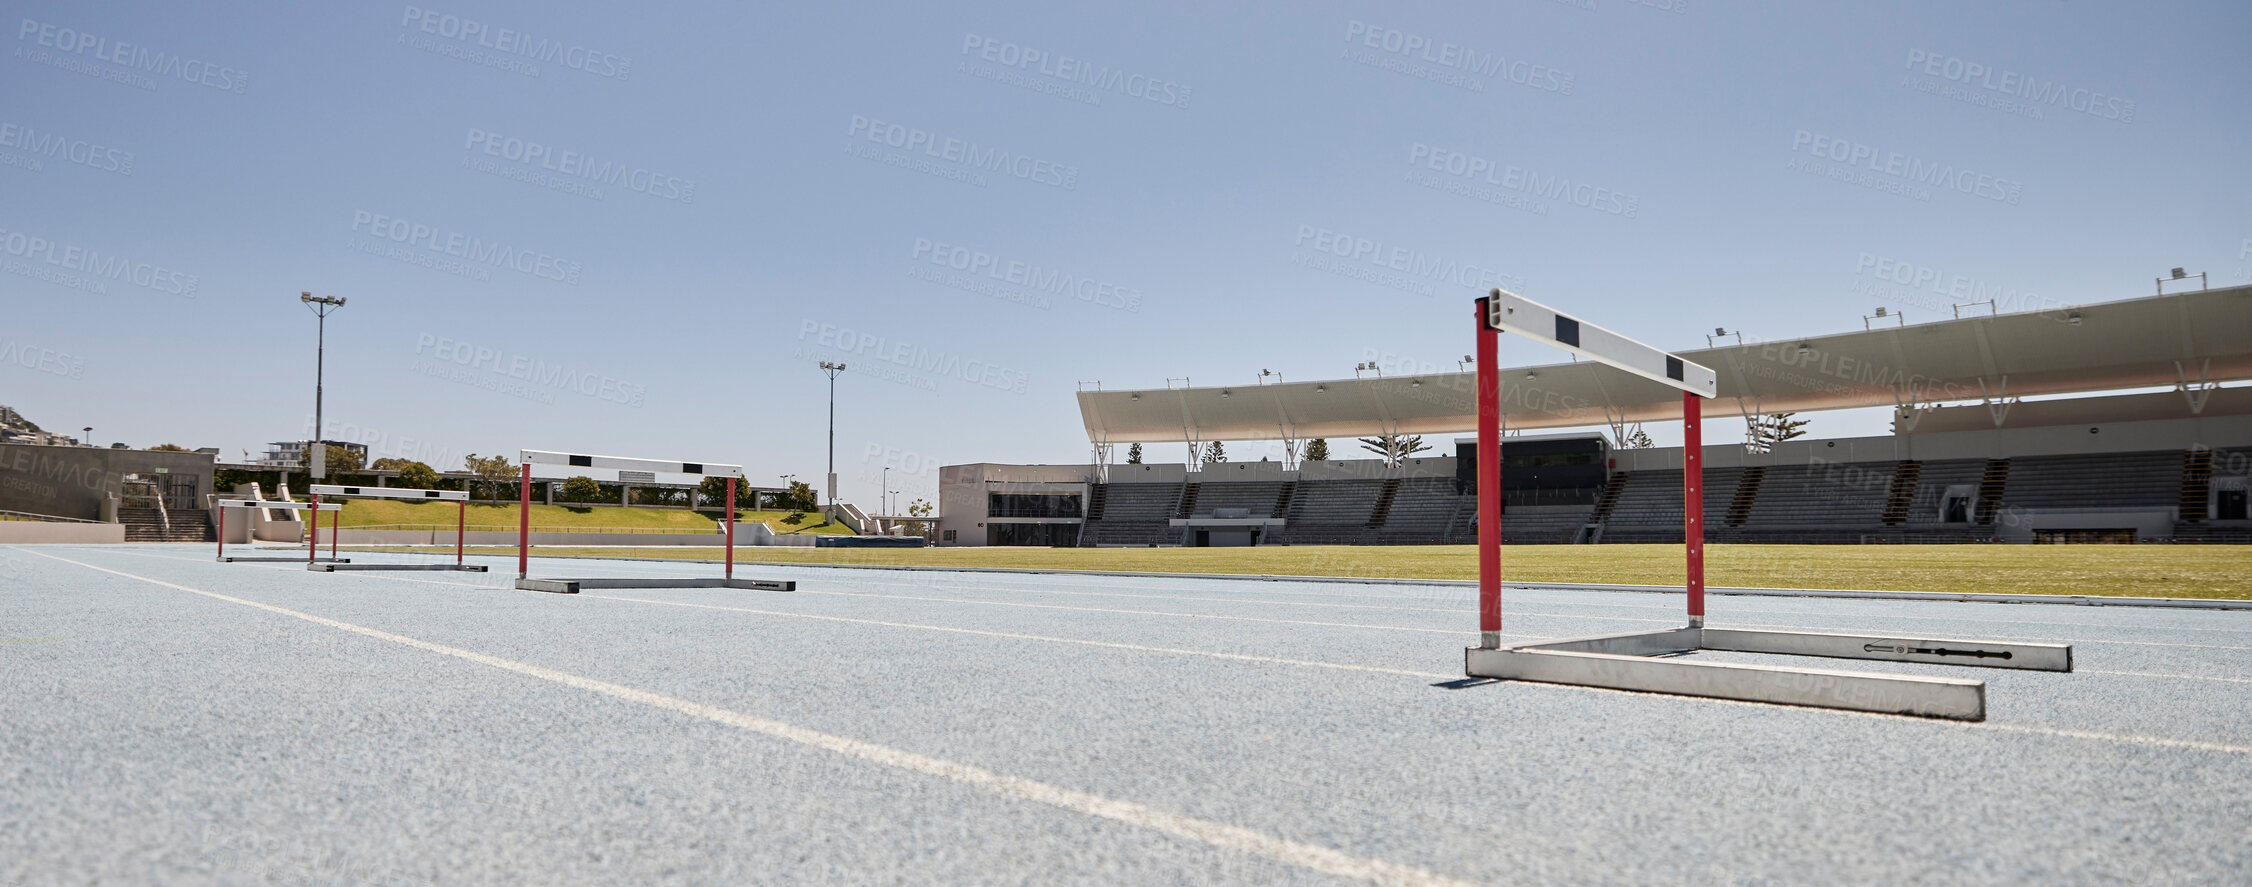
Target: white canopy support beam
[(626, 463)]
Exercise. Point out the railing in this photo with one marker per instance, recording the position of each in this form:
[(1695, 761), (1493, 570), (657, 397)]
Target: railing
[(50, 518)]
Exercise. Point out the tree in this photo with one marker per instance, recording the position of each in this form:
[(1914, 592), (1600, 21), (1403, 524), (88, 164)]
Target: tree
[(1774, 428), (168, 448), (415, 475), (341, 460), (800, 497), (713, 489), (495, 472), (1134, 454), (1215, 453), (1637, 440), (1393, 448), (581, 489), (1317, 450), (918, 508)]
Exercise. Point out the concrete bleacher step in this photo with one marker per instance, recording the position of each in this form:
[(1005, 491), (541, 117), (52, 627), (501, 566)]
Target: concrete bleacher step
[(1902, 496), (2195, 497)]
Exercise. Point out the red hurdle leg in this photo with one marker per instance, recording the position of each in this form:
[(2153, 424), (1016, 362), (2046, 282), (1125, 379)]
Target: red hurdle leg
[(1489, 483), (335, 529), (1693, 501), (731, 528), (313, 548), (524, 525), (461, 529), (222, 534)]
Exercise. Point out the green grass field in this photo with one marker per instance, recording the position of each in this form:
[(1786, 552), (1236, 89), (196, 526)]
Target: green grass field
[(2200, 571), (391, 512)]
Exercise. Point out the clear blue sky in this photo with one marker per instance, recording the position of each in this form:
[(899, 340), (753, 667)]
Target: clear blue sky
[(1747, 165)]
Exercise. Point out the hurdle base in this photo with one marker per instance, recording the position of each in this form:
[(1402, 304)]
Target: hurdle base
[(1628, 662), (450, 568), (283, 560), (572, 586)]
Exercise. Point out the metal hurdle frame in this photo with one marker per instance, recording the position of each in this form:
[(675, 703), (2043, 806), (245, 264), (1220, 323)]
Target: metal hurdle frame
[(461, 525), (312, 542), (733, 473), (1631, 661)]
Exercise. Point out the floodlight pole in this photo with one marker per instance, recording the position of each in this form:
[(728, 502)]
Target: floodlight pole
[(322, 307), (831, 479), (1489, 483)]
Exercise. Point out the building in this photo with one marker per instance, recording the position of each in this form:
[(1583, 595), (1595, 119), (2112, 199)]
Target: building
[(2103, 458)]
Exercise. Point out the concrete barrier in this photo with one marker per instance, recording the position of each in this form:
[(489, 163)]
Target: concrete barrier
[(23, 532)]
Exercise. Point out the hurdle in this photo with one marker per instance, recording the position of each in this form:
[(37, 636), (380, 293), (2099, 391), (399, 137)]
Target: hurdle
[(733, 473), (1631, 661), (461, 525), (313, 542)]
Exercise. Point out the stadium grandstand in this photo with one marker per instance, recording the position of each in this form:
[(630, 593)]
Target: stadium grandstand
[(2130, 438)]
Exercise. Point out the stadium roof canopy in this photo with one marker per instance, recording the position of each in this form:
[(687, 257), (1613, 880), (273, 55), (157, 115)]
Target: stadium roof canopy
[(2193, 340)]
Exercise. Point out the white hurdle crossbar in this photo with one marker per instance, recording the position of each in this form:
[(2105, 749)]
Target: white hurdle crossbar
[(313, 543), (1632, 661), (733, 473), (460, 498)]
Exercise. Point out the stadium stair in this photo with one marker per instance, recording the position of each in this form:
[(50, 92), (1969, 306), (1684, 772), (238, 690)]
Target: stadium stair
[(1383, 509), (1905, 479), (2197, 485), (148, 525), (1188, 500), (1747, 492), (1990, 487), (1610, 500)]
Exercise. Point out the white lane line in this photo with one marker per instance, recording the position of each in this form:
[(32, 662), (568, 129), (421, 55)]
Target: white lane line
[(2138, 674), (1307, 856), (2129, 739), (944, 600), (1017, 636)]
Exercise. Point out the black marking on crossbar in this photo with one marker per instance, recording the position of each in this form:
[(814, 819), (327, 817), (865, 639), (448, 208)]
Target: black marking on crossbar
[(692, 468), (1567, 331), (583, 461), (1673, 368), (351, 491), (430, 494), (1934, 651)]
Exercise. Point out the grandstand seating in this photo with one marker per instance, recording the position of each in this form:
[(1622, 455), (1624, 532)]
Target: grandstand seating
[(1821, 502)]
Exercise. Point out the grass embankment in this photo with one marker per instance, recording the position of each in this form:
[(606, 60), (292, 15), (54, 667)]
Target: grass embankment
[(392, 512), (2202, 571)]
